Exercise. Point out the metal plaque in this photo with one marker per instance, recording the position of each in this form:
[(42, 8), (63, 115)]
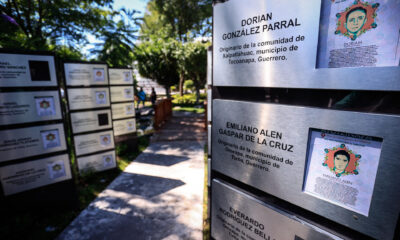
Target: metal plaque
[(29, 175), (94, 142), (91, 121), (19, 70), (209, 104), (85, 74), (209, 172), (266, 146), (209, 66), (121, 94), (209, 145), (24, 107), (237, 215), (86, 98), (120, 76), (274, 44), (123, 110), (97, 162), (31, 141), (125, 126)]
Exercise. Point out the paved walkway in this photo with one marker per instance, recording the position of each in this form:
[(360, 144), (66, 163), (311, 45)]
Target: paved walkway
[(158, 196)]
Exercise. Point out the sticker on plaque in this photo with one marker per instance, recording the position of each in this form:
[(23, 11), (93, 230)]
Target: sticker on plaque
[(39, 70), (128, 94), (342, 168), (129, 109), (108, 161), (45, 106), (98, 74), (105, 140), (127, 77), (50, 139), (56, 169), (101, 97)]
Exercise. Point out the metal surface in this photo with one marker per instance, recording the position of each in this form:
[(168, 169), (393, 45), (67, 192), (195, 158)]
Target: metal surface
[(29, 175), (286, 182), (94, 142), (125, 126), (97, 162), (120, 76), (121, 94), (87, 98), (209, 105), (209, 66), (209, 145), (15, 70), (209, 172), (85, 74), (31, 141), (237, 215), (25, 107), (122, 110), (299, 69), (91, 121)]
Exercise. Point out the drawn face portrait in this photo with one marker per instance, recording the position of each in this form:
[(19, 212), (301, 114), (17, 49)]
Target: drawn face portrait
[(355, 20), (341, 162)]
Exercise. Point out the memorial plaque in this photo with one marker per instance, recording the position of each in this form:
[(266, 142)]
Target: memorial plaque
[(209, 130), (20, 70), (31, 141), (121, 94), (85, 74), (123, 110), (268, 43), (97, 162), (85, 98), (29, 175), (209, 172), (93, 142), (237, 215), (120, 76), (91, 121), (209, 66), (125, 126), (209, 104), (333, 163), (24, 107)]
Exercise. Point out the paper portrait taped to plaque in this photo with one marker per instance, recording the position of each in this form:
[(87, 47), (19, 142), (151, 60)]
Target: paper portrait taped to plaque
[(45, 106), (342, 168), (359, 33), (129, 109), (108, 161), (50, 138), (128, 94), (105, 140), (127, 76), (98, 75), (130, 125), (56, 169), (101, 97)]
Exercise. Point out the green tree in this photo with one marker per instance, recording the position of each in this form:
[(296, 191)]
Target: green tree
[(157, 60)]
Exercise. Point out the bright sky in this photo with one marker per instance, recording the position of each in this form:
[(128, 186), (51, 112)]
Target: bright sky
[(139, 5)]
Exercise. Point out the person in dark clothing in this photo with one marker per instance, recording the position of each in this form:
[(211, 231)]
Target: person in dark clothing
[(153, 96)]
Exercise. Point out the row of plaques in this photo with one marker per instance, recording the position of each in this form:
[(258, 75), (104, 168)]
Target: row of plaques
[(33, 115), (333, 163)]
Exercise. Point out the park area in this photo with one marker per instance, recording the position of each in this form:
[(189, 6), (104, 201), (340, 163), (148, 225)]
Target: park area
[(116, 92)]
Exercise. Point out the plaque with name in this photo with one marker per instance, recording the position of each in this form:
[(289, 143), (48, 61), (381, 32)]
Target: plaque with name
[(31, 141), (97, 162), (24, 107), (119, 76), (86, 98), (19, 70), (238, 215), (268, 43), (90, 121), (123, 110), (29, 175), (125, 126), (85, 74), (121, 94), (94, 142), (333, 163)]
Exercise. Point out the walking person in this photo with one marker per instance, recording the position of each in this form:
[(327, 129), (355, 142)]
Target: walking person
[(142, 96), (153, 96)]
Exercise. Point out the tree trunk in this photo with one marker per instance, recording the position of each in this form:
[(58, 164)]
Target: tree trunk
[(181, 81), (167, 92), (197, 95)]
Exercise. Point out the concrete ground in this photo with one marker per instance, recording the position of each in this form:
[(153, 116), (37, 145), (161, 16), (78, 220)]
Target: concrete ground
[(158, 196)]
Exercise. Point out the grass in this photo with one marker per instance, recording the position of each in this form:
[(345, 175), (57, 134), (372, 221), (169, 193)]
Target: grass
[(49, 223), (189, 109), (206, 217)]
